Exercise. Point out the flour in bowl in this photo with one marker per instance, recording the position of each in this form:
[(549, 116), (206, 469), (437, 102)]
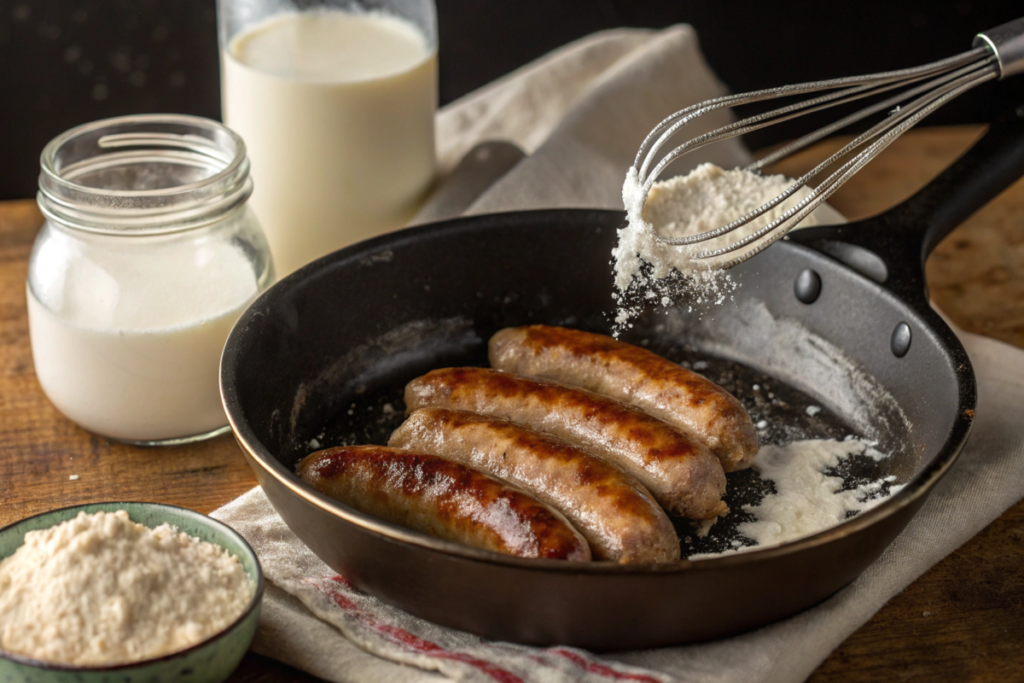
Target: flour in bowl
[(649, 271), (100, 589)]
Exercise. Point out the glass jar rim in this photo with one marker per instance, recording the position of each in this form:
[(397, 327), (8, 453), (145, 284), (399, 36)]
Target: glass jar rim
[(189, 141)]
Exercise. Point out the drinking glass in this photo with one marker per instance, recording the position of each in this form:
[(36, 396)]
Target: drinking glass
[(335, 100)]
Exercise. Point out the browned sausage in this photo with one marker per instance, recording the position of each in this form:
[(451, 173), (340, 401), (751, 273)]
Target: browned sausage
[(616, 515), (685, 478), (635, 376), (443, 499)]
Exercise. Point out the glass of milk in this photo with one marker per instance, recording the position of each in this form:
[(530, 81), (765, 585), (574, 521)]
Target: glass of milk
[(335, 100), (148, 256)]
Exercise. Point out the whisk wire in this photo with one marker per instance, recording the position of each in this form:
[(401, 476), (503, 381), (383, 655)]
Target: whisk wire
[(904, 121), (825, 131), (920, 91), (957, 77), (743, 127), (671, 124)]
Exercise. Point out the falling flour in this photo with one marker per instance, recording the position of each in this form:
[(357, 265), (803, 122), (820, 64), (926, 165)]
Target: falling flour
[(808, 497), (648, 271)]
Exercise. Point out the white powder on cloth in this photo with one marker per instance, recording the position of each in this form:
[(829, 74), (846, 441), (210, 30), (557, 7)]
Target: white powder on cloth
[(707, 198), (807, 500), (100, 589)]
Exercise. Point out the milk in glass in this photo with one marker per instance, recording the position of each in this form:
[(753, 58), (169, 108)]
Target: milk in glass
[(336, 110)]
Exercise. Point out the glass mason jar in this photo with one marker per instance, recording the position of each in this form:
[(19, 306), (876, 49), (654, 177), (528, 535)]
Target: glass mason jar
[(148, 256), (335, 100)]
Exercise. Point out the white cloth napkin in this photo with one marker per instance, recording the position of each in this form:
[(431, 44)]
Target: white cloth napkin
[(580, 114)]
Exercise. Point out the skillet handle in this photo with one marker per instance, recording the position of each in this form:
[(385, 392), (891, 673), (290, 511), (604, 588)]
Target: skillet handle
[(994, 163), (892, 247)]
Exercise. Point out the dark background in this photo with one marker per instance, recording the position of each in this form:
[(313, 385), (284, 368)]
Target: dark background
[(66, 62)]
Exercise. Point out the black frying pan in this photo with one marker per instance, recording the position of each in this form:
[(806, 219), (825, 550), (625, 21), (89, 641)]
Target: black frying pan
[(836, 317)]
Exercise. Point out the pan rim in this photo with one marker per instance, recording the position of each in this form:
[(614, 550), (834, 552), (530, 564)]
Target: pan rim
[(914, 489)]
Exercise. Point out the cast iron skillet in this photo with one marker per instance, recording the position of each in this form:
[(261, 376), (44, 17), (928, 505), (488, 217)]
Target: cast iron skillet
[(836, 317)]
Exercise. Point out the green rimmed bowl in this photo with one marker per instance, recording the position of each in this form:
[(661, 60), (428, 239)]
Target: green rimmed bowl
[(209, 661)]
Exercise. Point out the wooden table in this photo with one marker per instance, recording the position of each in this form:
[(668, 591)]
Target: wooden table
[(963, 620)]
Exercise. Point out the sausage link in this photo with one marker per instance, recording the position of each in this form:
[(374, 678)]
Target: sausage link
[(635, 376), (681, 473), (617, 516), (444, 499)]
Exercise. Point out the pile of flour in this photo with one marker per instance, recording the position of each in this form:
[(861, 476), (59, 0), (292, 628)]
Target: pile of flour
[(100, 589), (808, 497), (709, 197)]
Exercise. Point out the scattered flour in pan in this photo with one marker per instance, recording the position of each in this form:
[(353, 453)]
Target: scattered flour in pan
[(648, 271), (807, 500)]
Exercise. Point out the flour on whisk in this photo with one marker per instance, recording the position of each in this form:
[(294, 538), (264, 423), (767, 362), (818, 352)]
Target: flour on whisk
[(709, 197)]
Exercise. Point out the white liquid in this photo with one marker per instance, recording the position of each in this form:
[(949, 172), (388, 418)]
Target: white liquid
[(337, 113), (129, 349)]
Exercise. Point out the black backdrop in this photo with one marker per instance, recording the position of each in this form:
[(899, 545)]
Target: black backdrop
[(65, 62)]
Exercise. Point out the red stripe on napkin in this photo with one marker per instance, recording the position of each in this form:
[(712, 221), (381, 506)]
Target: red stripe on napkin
[(601, 669), (402, 637)]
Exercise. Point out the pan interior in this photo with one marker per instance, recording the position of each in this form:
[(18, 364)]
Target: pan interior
[(368, 412), (325, 357)]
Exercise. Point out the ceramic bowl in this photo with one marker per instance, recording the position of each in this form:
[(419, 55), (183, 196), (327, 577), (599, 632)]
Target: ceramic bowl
[(209, 661)]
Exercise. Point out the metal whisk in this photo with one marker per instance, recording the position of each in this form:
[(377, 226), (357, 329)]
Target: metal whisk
[(996, 54)]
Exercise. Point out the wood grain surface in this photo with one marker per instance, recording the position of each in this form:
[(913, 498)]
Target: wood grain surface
[(963, 620)]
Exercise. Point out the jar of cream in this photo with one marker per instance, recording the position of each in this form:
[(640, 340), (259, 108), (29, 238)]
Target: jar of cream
[(147, 258)]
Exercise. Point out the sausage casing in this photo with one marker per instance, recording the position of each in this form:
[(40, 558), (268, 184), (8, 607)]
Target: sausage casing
[(444, 499), (681, 473), (617, 516), (635, 376)]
